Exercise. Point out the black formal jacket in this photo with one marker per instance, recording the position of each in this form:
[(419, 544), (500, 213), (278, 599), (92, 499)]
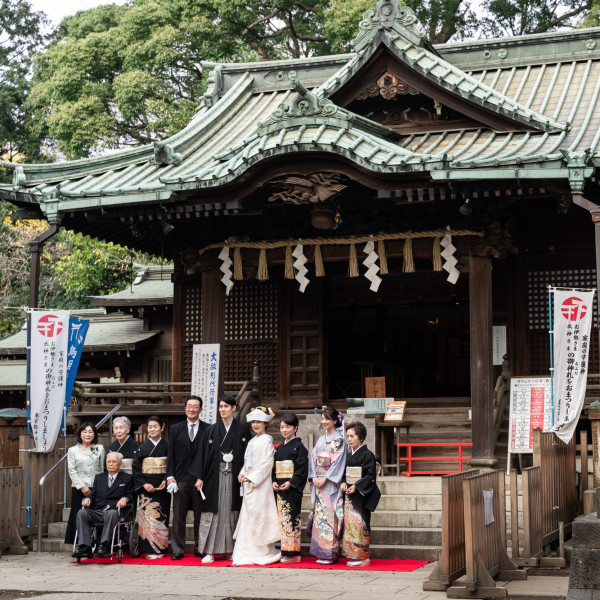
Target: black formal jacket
[(103, 496), (206, 462), (181, 451), (127, 449)]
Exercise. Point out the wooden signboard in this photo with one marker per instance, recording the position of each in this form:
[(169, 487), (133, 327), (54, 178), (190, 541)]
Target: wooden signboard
[(374, 387), (395, 412)]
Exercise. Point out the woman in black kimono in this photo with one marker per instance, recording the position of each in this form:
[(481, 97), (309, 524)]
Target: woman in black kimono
[(150, 482), (289, 478), (124, 443), (361, 497)]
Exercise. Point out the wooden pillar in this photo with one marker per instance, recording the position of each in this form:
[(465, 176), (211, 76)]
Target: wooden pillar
[(213, 315), (482, 383), (178, 334)]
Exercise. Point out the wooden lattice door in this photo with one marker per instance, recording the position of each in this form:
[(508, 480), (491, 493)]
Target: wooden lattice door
[(303, 382)]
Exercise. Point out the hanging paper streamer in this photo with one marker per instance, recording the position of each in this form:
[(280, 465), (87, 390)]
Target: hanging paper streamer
[(449, 258), (225, 268), (301, 270), (371, 263)]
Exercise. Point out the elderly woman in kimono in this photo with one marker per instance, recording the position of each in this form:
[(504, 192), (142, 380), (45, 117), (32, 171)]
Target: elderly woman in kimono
[(258, 526), (362, 496), (325, 472)]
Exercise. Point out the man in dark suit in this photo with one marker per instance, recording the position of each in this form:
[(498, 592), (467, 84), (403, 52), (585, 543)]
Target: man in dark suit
[(111, 490), (184, 440)]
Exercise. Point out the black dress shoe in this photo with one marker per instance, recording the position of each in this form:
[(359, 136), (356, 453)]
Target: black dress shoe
[(82, 552), (198, 554), (176, 556), (102, 551)]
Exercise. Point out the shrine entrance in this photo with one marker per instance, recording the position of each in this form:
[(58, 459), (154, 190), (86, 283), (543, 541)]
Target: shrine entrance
[(415, 333)]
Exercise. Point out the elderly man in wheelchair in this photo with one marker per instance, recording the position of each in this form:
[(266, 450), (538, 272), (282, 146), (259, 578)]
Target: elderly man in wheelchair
[(111, 492)]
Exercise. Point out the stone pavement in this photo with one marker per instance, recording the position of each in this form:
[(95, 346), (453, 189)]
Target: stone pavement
[(58, 579)]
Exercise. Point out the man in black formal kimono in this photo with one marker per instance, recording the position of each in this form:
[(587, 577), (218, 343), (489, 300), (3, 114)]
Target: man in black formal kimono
[(111, 490), (184, 440)]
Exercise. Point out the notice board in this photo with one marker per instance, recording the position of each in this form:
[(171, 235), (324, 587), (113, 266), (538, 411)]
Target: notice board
[(530, 408)]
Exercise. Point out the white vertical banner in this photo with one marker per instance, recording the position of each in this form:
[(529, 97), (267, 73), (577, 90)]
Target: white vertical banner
[(47, 375), (573, 316), (205, 378)]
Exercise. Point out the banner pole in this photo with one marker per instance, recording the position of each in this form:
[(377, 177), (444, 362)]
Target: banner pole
[(551, 333), (28, 404)]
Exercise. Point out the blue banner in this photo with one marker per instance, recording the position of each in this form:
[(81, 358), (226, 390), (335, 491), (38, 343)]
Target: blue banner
[(78, 329)]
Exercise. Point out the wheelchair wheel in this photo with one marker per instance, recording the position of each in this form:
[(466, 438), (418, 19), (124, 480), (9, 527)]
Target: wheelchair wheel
[(134, 541), (119, 555)]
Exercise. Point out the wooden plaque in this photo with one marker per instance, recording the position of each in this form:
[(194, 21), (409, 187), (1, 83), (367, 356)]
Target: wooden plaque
[(395, 412), (374, 387)]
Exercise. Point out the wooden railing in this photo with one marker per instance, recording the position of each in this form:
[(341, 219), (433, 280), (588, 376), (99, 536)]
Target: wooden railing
[(452, 562), (501, 394), (459, 459), (485, 538), (11, 484), (558, 481), (531, 484)]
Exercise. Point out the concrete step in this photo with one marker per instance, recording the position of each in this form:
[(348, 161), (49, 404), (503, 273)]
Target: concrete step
[(401, 518), (395, 501), (377, 550)]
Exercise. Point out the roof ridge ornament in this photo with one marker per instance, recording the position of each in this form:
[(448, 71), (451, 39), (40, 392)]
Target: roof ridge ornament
[(303, 103), (389, 14)]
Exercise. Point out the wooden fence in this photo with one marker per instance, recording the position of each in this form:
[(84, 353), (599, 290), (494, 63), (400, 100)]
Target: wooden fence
[(558, 482), (532, 516), (452, 561), (485, 538), (11, 483)]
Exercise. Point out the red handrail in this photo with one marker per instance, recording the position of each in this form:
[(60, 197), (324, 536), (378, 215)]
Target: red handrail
[(410, 458)]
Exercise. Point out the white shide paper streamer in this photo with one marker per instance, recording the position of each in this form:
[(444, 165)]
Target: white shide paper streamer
[(225, 268), (301, 270), (450, 260), (372, 268)]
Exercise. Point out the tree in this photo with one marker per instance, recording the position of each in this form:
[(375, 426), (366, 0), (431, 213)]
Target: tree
[(126, 75), (73, 267), (519, 17), (20, 37)]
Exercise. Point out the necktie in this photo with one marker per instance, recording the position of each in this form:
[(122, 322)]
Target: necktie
[(192, 431), (111, 480)]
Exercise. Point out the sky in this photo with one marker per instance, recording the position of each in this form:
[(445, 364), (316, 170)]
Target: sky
[(56, 10)]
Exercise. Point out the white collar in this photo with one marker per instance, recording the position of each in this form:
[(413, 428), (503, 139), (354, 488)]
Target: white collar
[(194, 423), (155, 443), (355, 451)]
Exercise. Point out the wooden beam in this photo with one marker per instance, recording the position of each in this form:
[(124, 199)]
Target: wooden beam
[(482, 379)]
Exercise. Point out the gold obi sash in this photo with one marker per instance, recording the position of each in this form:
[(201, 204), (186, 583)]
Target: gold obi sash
[(127, 465), (323, 462), (353, 474), (284, 469), (154, 466)]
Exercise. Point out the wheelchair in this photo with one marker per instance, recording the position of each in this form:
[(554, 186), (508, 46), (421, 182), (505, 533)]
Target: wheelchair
[(125, 535)]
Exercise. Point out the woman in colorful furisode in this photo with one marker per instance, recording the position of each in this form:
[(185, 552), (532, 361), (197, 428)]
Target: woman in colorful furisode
[(258, 526), (326, 470), (124, 443), (85, 460), (150, 483), (289, 479), (362, 497)]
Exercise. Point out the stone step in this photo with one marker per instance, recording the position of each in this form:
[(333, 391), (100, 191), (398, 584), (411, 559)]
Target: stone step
[(401, 519), (403, 501), (404, 552)]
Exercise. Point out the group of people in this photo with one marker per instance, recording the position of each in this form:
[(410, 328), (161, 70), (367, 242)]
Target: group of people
[(245, 494)]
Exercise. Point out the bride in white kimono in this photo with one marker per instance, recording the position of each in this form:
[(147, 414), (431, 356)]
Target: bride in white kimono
[(258, 525)]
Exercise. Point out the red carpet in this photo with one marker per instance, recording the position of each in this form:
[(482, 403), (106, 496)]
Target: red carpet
[(307, 562)]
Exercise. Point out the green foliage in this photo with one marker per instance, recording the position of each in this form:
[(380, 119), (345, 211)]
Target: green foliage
[(519, 17), (73, 267), (19, 37)]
